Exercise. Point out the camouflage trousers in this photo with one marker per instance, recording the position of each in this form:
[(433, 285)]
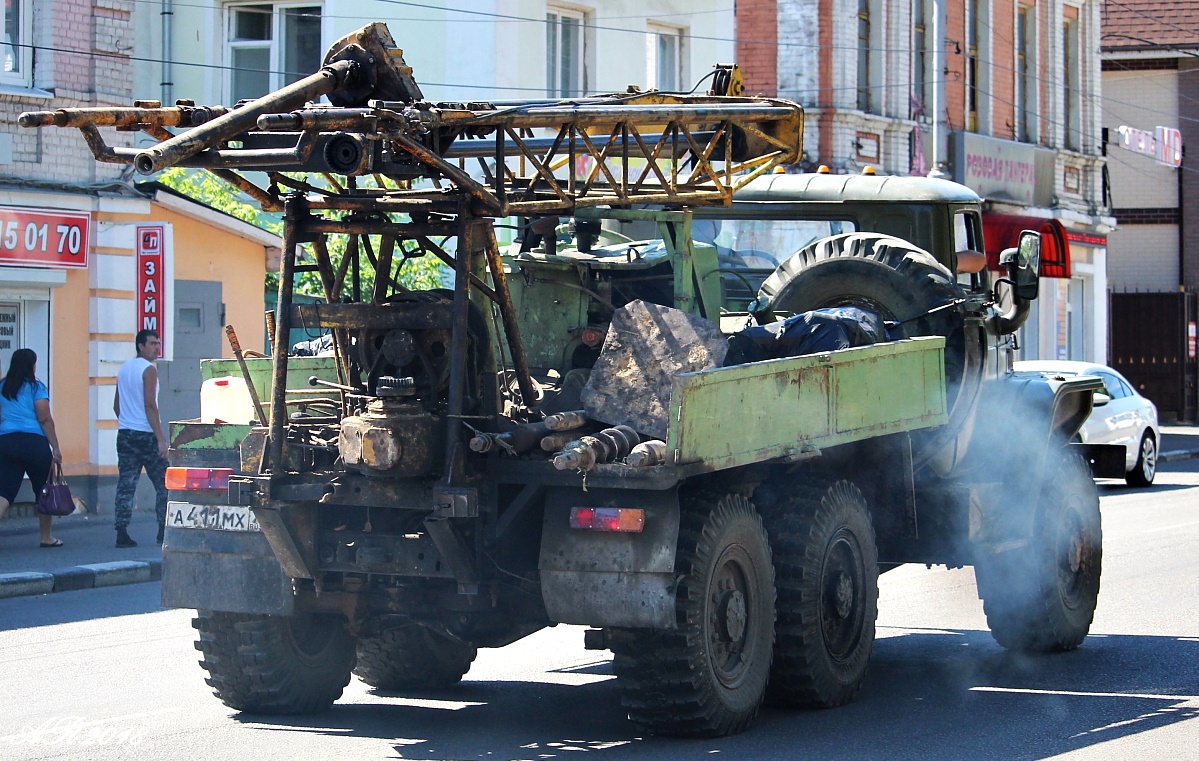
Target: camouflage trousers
[(137, 450)]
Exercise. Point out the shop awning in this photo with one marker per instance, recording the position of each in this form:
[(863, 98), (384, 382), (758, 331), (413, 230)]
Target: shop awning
[(1002, 231)]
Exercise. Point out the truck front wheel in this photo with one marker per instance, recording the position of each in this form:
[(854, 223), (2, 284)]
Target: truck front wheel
[(826, 570), (274, 664), (1042, 596), (707, 677), (412, 658)]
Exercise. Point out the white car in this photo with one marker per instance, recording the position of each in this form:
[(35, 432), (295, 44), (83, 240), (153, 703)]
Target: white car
[(1121, 416)]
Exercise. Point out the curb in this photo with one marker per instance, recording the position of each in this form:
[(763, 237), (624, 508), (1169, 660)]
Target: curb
[(1177, 454), (80, 577)]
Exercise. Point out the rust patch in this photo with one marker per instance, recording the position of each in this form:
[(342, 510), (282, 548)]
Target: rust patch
[(193, 432)]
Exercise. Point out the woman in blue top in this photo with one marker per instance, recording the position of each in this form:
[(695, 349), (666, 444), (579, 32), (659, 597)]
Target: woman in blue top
[(28, 443)]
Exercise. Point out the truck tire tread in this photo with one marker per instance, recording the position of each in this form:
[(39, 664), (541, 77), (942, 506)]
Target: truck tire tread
[(668, 682), (1052, 608), (803, 525), (255, 663), (412, 658)]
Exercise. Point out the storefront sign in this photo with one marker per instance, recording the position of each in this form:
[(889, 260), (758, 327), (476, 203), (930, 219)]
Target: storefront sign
[(1003, 169), (43, 237), (1164, 144), (1086, 239), (150, 293), (1191, 339)]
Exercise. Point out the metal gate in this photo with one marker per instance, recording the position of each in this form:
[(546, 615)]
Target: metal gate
[(1153, 344)]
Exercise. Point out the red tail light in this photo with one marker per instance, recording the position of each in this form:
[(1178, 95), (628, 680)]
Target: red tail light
[(198, 479), (628, 519)]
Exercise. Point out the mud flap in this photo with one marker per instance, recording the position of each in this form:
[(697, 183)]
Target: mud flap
[(1106, 460), (602, 578), (228, 571)]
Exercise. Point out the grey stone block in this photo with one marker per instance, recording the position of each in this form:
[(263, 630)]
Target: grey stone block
[(646, 346), (32, 583), (120, 572), (76, 577)]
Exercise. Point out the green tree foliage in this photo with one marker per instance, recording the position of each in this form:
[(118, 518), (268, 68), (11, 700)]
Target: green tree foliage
[(417, 272)]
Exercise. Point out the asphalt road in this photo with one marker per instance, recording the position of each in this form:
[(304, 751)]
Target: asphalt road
[(107, 674)]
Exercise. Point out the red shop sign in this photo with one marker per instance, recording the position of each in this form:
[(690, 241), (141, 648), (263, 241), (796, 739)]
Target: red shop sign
[(45, 237), (151, 311)]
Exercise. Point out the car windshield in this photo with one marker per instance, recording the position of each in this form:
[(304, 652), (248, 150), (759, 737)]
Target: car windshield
[(763, 243)]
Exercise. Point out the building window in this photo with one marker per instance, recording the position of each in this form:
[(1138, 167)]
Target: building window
[(271, 46), (920, 59), (1071, 101), (666, 57), (18, 33), (972, 65), (1026, 79), (864, 99), (564, 53)]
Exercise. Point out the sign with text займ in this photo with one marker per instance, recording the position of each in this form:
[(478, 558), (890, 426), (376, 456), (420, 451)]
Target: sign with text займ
[(150, 293)]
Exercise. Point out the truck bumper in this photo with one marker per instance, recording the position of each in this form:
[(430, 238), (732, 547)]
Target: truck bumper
[(229, 571)]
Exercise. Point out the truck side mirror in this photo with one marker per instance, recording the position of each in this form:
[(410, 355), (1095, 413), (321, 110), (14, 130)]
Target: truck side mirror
[(1023, 264)]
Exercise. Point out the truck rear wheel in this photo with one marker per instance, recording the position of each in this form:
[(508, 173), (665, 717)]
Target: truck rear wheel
[(826, 571), (274, 664), (412, 658), (1042, 597), (707, 677)]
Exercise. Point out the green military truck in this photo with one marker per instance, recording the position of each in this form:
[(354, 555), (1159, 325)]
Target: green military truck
[(555, 436)]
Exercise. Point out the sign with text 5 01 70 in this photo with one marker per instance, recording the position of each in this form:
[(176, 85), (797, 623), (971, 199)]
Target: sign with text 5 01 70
[(151, 281), (44, 237)]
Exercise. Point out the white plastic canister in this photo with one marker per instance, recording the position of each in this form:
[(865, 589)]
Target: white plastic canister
[(225, 400)]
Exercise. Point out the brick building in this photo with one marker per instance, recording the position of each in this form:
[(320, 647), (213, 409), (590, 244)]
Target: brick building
[(76, 238), (996, 94), (1150, 52)]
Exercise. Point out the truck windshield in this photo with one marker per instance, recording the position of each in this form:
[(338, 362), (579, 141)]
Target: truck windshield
[(763, 243)]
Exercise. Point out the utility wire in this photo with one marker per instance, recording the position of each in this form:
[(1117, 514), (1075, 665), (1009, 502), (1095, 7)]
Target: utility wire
[(508, 88)]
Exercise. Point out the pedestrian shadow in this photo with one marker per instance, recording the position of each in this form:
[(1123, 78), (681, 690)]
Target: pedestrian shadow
[(930, 694)]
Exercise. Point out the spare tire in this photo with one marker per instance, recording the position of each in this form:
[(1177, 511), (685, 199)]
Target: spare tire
[(900, 282)]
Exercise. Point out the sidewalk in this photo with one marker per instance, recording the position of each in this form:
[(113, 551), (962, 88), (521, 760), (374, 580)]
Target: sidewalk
[(89, 557)]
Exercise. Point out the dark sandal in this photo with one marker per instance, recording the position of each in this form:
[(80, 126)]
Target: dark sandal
[(55, 543)]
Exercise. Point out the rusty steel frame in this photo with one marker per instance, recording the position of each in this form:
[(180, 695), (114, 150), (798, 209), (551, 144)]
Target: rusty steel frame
[(531, 176), (643, 148)]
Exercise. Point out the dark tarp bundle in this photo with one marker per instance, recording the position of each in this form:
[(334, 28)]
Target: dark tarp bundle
[(806, 333)]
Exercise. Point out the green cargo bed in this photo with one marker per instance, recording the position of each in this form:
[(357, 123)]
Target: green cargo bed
[(782, 408)]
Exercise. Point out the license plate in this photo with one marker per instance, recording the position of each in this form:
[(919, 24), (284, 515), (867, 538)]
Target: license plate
[(218, 517)]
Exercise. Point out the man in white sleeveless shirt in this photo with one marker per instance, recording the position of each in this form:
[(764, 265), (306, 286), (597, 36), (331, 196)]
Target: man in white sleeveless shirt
[(140, 439)]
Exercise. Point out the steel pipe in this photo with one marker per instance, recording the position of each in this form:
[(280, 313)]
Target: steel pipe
[(245, 118)]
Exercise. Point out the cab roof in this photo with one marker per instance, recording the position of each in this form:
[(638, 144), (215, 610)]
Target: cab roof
[(856, 188)]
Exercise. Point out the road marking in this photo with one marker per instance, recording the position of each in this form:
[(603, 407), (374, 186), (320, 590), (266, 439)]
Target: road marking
[(1075, 694)]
